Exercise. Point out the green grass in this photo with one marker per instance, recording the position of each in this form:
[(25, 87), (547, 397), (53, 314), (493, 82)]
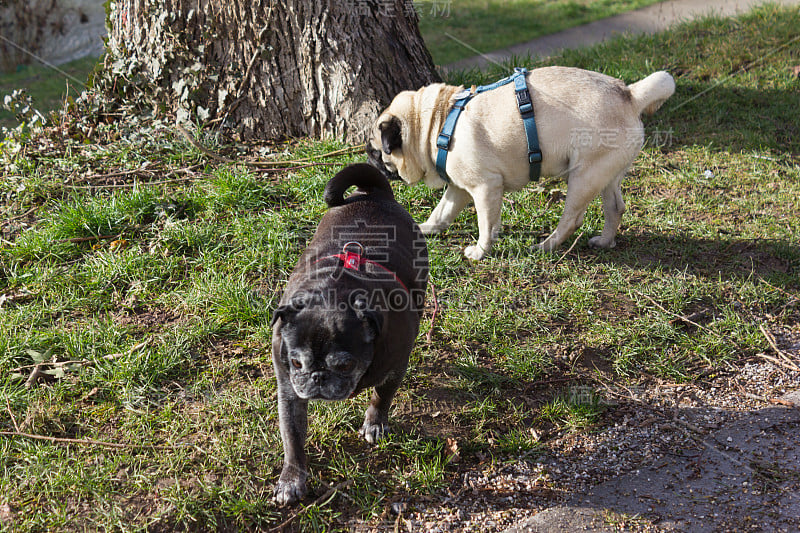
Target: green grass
[(486, 25), (161, 284)]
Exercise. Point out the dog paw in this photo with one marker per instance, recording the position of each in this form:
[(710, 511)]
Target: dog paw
[(601, 242), (289, 492), (429, 229), (373, 432), (544, 246), (475, 253)]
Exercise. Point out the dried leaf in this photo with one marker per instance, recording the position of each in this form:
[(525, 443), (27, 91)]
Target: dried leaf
[(118, 244), (451, 447), (6, 514), (15, 296), (796, 71)]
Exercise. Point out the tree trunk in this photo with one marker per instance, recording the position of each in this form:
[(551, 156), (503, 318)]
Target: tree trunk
[(23, 24), (267, 69)]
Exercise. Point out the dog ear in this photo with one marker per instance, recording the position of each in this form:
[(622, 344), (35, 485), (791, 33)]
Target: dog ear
[(289, 309), (391, 138), (283, 312)]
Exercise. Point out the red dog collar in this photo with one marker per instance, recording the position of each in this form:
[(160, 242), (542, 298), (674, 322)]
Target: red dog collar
[(354, 260)]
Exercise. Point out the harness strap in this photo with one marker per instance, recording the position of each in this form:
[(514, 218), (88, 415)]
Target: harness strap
[(443, 141), (354, 260), (525, 105)]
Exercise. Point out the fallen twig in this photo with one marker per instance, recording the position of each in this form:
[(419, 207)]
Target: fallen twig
[(202, 148), (34, 377), (676, 315), (23, 215), (689, 321), (61, 364), (779, 362), (38, 368), (10, 412), (78, 240), (329, 493), (569, 249), (88, 442), (298, 167), (122, 185), (789, 363), (556, 380), (15, 297), (429, 335), (147, 167), (279, 165), (778, 401), (340, 151), (134, 183)]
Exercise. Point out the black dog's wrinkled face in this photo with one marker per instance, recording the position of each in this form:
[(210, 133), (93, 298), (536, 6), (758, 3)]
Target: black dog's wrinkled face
[(327, 349)]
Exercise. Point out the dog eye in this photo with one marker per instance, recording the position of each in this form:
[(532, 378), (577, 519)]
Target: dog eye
[(296, 363), (345, 367)]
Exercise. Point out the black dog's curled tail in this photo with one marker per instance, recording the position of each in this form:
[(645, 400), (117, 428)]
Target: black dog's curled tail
[(367, 178)]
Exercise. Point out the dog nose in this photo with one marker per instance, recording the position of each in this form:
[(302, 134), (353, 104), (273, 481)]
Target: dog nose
[(317, 377)]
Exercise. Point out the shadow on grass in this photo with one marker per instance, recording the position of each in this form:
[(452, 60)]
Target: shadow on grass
[(776, 261), (729, 119), (726, 257)]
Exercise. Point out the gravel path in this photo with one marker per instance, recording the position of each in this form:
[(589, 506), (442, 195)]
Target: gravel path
[(650, 19), (724, 456)]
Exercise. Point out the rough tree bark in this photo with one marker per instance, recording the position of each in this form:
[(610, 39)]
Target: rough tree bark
[(264, 68), (23, 24)]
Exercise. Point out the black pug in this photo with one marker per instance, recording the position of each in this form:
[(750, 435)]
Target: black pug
[(349, 315)]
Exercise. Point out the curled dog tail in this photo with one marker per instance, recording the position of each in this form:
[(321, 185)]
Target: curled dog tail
[(648, 94), (367, 178)]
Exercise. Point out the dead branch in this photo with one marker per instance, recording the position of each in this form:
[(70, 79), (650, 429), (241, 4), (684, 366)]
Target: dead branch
[(778, 401), (429, 335), (569, 249), (788, 362), (88, 442), (186, 170), (279, 166), (202, 148), (676, 315), (79, 240), (10, 412), (38, 368), (778, 362), (34, 377), (23, 215), (298, 167)]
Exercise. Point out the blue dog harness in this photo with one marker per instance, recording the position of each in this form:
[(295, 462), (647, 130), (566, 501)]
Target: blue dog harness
[(525, 105)]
